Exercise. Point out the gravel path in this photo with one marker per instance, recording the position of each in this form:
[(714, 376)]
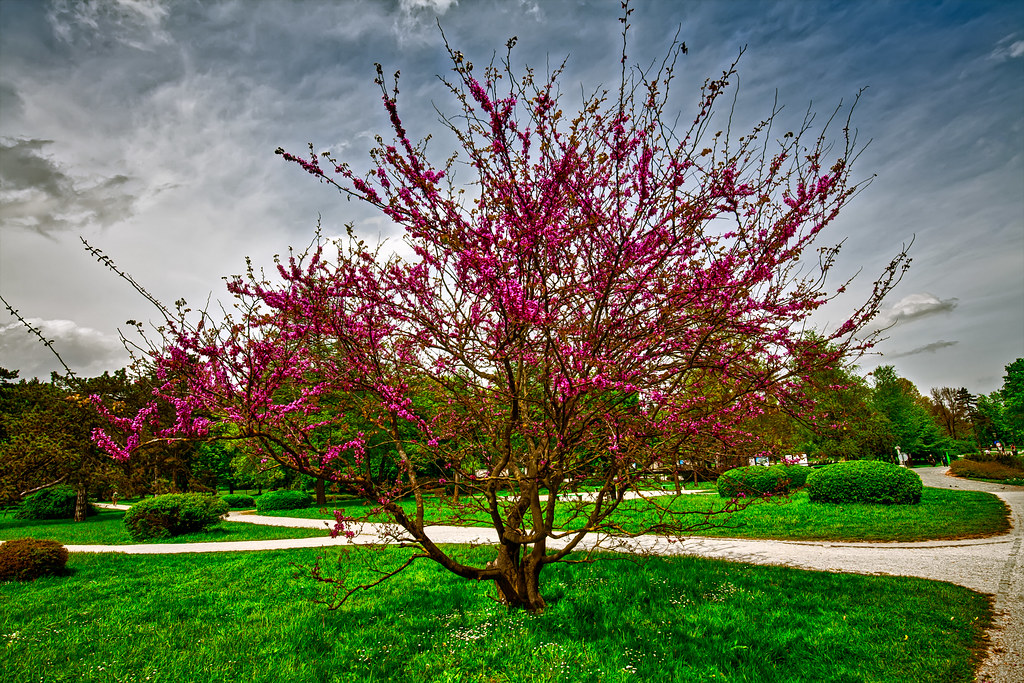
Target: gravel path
[(990, 565)]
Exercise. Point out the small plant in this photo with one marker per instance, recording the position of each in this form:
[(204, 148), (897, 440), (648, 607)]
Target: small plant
[(237, 501), (283, 500), (173, 514), (55, 503), (26, 559), (864, 481), (757, 480)]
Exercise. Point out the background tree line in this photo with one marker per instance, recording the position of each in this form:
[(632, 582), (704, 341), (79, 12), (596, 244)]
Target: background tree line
[(45, 433)]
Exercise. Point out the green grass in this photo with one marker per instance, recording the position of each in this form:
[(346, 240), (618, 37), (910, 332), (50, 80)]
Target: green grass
[(941, 514), (246, 617), (106, 529)]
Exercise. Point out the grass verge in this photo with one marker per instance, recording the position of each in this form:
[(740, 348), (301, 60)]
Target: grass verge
[(941, 514), (106, 528), (246, 617)]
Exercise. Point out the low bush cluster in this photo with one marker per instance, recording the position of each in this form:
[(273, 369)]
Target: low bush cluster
[(55, 503), (283, 500), (990, 469), (26, 559), (173, 514), (237, 501), (759, 480), (864, 481), (1006, 458)]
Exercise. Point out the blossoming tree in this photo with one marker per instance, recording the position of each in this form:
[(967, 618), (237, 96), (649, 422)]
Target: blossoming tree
[(604, 291)]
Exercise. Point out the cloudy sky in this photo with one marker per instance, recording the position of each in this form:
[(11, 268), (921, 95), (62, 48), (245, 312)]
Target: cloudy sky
[(148, 127)]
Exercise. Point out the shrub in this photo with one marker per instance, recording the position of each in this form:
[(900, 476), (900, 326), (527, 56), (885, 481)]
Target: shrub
[(864, 481), (238, 500), (55, 503), (756, 480), (26, 559), (283, 500), (1003, 458), (173, 514), (985, 470), (797, 474)]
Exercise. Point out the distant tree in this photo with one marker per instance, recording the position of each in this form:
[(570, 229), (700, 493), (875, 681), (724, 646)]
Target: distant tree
[(1000, 415), (952, 410), (606, 287), (1012, 394), (912, 426), (838, 420), (46, 429)]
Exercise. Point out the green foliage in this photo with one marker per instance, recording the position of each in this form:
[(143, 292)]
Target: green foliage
[(758, 481), (1000, 415), (912, 427), (283, 500), (238, 500), (844, 423), (173, 514), (26, 559), (864, 481), (55, 503), (797, 475)]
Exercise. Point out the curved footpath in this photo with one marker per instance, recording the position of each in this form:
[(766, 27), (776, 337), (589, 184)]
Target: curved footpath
[(992, 565)]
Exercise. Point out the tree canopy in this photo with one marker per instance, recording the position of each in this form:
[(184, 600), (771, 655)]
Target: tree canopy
[(604, 290)]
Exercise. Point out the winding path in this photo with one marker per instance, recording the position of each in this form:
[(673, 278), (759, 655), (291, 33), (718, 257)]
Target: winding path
[(992, 565)]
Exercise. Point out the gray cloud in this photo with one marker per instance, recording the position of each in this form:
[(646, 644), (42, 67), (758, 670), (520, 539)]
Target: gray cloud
[(37, 194), (135, 23), (439, 6), (10, 101), (87, 351), (914, 307), (927, 348)]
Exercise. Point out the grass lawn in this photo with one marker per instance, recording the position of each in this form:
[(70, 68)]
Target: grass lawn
[(247, 617), (941, 514), (106, 529)]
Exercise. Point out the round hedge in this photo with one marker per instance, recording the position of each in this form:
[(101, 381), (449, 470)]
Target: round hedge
[(26, 559), (283, 500), (173, 514), (797, 474), (55, 503), (864, 481), (238, 500), (758, 480)]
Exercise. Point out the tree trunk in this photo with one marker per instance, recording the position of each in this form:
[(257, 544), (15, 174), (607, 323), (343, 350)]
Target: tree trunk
[(321, 494), (519, 583), (81, 502), (675, 476)]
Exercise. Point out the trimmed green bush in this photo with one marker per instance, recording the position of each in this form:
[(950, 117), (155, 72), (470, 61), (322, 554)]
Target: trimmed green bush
[(238, 500), (283, 500), (55, 503), (864, 481), (797, 475), (755, 480), (26, 559), (173, 514)]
